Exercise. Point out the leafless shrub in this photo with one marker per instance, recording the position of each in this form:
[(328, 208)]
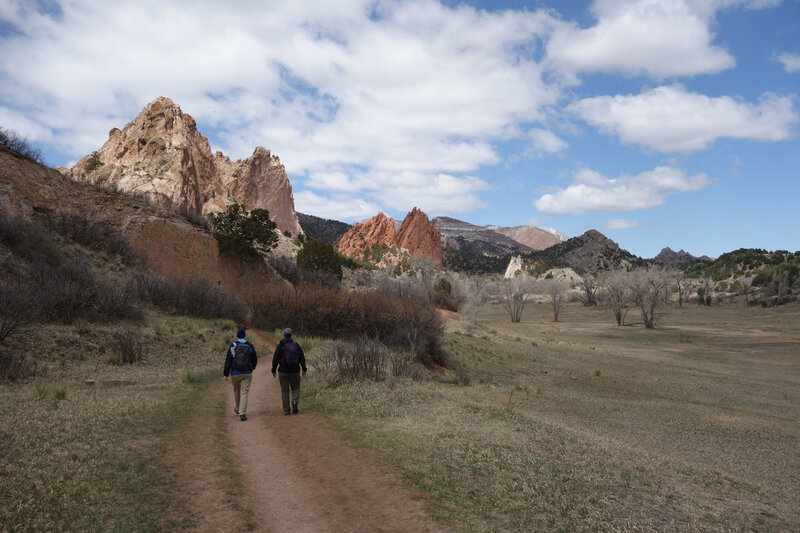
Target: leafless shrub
[(129, 345), (18, 144), (192, 297), (588, 286), (616, 295), (284, 266), (515, 294), (29, 240), (647, 288), (556, 293), (364, 358), (470, 294), (409, 323), (93, 232), (195, 218), (74, 290), (16, 364)]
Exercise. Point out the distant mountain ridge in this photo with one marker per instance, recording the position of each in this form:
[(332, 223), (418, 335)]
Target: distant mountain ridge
[(591, 252), (465, 237)]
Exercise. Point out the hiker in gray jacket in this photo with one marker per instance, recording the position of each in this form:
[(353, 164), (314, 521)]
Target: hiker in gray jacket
[(240, 361), (288, 359)]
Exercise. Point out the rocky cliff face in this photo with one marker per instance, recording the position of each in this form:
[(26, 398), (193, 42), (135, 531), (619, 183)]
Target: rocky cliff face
[(161, 155), (420, 237), (363, 235), (416, 234), (168, 244)]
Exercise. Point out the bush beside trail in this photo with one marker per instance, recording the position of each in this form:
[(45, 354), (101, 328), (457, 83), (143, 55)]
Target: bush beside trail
[(407, 323)]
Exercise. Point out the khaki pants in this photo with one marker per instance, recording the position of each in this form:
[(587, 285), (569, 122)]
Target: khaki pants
[(289, 380), (241, 388)]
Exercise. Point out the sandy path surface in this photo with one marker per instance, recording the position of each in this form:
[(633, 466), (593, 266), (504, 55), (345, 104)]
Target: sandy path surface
[(296, 475)]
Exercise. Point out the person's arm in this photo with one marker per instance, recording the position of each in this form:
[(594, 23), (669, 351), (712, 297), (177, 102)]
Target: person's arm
[(253, 356), (302, 359), (276, 359), (228, 363)]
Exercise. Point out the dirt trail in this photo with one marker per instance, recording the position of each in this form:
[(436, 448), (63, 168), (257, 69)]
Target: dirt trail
[(299, 476)]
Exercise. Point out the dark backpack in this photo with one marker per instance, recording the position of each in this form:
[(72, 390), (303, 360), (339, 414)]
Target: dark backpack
[(241, 357), (291, 353)]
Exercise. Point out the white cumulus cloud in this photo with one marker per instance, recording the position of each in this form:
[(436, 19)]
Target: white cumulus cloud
[(337, 207), (593, 192), (660, 38), (546, 141), (790, 62), (671, 119)]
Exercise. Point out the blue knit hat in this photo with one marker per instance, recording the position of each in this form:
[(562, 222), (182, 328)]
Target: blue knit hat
[(240, 333)]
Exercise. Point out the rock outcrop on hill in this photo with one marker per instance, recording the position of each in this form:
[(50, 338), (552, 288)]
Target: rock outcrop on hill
[(416, 234), (592, 252), (669, 257), (163, 156), (363, 235), (532, 236), (420, 237), (168, 243)]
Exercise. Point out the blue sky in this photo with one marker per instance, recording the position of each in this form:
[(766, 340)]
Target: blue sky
[(657, 122)]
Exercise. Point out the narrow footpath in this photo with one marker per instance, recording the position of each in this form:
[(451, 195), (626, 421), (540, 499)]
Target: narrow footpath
[(296, 474)]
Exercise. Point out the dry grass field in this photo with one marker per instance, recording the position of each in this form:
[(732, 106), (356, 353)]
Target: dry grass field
[(80, 457), (582, 425)]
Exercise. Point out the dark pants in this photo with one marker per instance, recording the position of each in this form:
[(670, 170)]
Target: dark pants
[(289, 380)]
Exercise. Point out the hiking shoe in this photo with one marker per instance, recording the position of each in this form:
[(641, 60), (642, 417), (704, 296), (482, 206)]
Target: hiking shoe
[(287, 412), (242, 418), (294, 408), (236, 410)]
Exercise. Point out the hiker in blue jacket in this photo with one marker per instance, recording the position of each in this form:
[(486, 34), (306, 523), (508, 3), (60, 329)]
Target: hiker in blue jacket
[(240, 361), (288, 359)]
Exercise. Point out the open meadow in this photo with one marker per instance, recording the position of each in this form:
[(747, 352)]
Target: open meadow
[(584, 425), (84, 445)]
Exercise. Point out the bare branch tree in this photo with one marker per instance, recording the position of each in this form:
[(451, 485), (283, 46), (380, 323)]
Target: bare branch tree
[(704, 292), (681, 285), (616, 295), (470, 293), (514, 296), (647, 291), (588, 286), (555, 291)]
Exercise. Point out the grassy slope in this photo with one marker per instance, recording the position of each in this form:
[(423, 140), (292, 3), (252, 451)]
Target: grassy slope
[(87, 457), (582, 425)]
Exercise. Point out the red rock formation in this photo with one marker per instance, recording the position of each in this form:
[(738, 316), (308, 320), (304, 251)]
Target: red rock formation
[(162, 155), (416, 234), (420, 237), (363, 235)]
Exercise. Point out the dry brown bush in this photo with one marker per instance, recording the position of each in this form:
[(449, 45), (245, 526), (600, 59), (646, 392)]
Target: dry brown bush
[(192, 297), (404, 322)]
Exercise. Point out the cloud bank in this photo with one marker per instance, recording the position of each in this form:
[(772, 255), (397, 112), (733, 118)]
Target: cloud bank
[(672, 119), (593, 192)]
